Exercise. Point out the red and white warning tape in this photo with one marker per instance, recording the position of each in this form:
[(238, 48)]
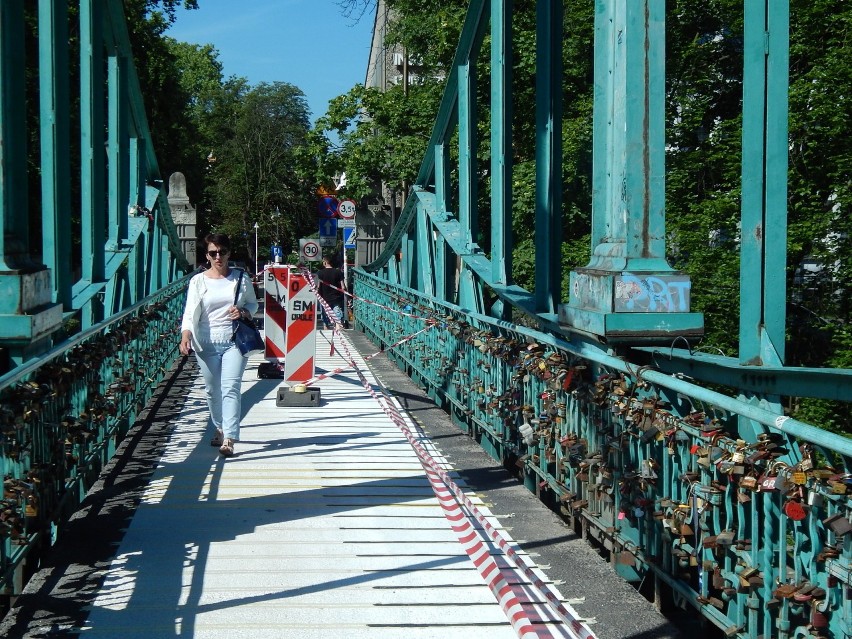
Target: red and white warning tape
[(451, 497), (372, 303), (336, 371)]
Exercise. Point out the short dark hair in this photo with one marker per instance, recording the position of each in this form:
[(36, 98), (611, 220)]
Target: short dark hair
[(219, 239)]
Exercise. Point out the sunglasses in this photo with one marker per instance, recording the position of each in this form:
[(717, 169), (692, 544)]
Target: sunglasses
[(217, 253)]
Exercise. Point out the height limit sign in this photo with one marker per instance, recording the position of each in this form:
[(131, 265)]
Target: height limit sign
[(309, 250)]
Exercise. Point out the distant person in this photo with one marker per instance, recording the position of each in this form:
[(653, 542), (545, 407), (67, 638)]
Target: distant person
[(331, 290), (208, 329)]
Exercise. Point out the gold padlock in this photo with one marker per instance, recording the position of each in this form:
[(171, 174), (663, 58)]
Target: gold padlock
[(799, 478)]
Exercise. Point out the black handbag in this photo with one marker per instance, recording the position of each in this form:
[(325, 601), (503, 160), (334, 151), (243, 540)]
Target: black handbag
[(246, 336)]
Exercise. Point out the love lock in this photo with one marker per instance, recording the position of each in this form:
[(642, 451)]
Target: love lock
[(526, 432), (794, 510), (838, 523), (647, 470), (815, 499)]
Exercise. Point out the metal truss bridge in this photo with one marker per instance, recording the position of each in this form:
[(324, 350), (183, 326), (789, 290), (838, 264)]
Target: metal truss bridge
[(679, 466)]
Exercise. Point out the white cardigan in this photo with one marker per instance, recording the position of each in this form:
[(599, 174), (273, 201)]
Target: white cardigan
[(194, 294)]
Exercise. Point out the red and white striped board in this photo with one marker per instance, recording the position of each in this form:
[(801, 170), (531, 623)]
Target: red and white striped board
[(276, 280), (300, 333)]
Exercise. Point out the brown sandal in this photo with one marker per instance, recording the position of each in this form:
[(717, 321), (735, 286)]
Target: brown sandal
[(227, 448), (218, 438)]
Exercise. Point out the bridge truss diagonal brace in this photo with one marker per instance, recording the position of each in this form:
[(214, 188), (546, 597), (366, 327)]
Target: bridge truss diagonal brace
[(473, 259)]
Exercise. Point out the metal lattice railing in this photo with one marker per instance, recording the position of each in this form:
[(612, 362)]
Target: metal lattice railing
[(62, 417), (649, 465), (67, 403)]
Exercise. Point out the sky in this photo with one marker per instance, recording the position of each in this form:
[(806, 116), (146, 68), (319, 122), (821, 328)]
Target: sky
[(308, 43)]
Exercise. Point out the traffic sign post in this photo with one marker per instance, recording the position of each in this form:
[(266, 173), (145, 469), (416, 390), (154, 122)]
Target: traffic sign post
[(309, 250), (328, 228), (328, 232)]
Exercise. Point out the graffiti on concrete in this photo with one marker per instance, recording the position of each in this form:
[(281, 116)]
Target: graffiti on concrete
[(652, 294)]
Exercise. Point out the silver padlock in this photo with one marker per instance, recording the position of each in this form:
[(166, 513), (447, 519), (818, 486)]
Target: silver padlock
[(815, 499)]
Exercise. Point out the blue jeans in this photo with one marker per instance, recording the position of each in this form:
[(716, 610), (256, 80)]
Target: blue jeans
[(222, 367), (338, 311)]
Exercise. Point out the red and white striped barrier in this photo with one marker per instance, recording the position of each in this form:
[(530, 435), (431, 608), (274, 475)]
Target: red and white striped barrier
[(301, 336), (442, 485), (275, 278)]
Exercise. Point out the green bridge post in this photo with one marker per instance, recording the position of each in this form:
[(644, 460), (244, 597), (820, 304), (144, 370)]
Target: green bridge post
[(628, 290)]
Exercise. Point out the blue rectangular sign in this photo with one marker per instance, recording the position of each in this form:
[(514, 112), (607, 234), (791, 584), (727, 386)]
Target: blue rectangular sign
[(328, 228), (349, 238)]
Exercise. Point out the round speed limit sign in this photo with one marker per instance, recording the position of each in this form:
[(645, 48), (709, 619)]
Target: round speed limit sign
[(310, 250), (346, 209)]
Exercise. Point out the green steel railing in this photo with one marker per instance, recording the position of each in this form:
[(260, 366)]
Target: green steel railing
[(653, 467), (682, 466), (127, 246), (62, 417)]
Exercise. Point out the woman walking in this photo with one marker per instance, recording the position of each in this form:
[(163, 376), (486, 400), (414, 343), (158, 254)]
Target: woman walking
[(208, 328)]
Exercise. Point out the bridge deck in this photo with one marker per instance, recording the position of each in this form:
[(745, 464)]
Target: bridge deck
[(323, 525)]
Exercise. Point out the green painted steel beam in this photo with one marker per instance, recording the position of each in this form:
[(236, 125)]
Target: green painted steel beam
[(763, 249), (468, 212), (55, 146), (442, 270), (629, 130), (548, 162), (117, 149), (825, 383), (601, 130), (628, 275), (28, 316), (425, 257), (136, 172), (501, 141), (135, 271), (443, 184), (92, 165), (14, 220)]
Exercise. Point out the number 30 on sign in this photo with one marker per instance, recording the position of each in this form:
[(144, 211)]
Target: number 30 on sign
[(310, 250)]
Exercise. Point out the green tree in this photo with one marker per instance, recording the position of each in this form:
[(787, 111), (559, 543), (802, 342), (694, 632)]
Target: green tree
[(166, 100), (206, 93), (260, 131)]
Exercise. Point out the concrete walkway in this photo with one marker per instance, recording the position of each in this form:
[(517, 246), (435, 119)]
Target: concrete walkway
[(322, 525)]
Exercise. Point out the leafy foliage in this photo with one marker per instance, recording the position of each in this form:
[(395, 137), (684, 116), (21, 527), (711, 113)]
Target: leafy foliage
[(236, 144), (256, 167)]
